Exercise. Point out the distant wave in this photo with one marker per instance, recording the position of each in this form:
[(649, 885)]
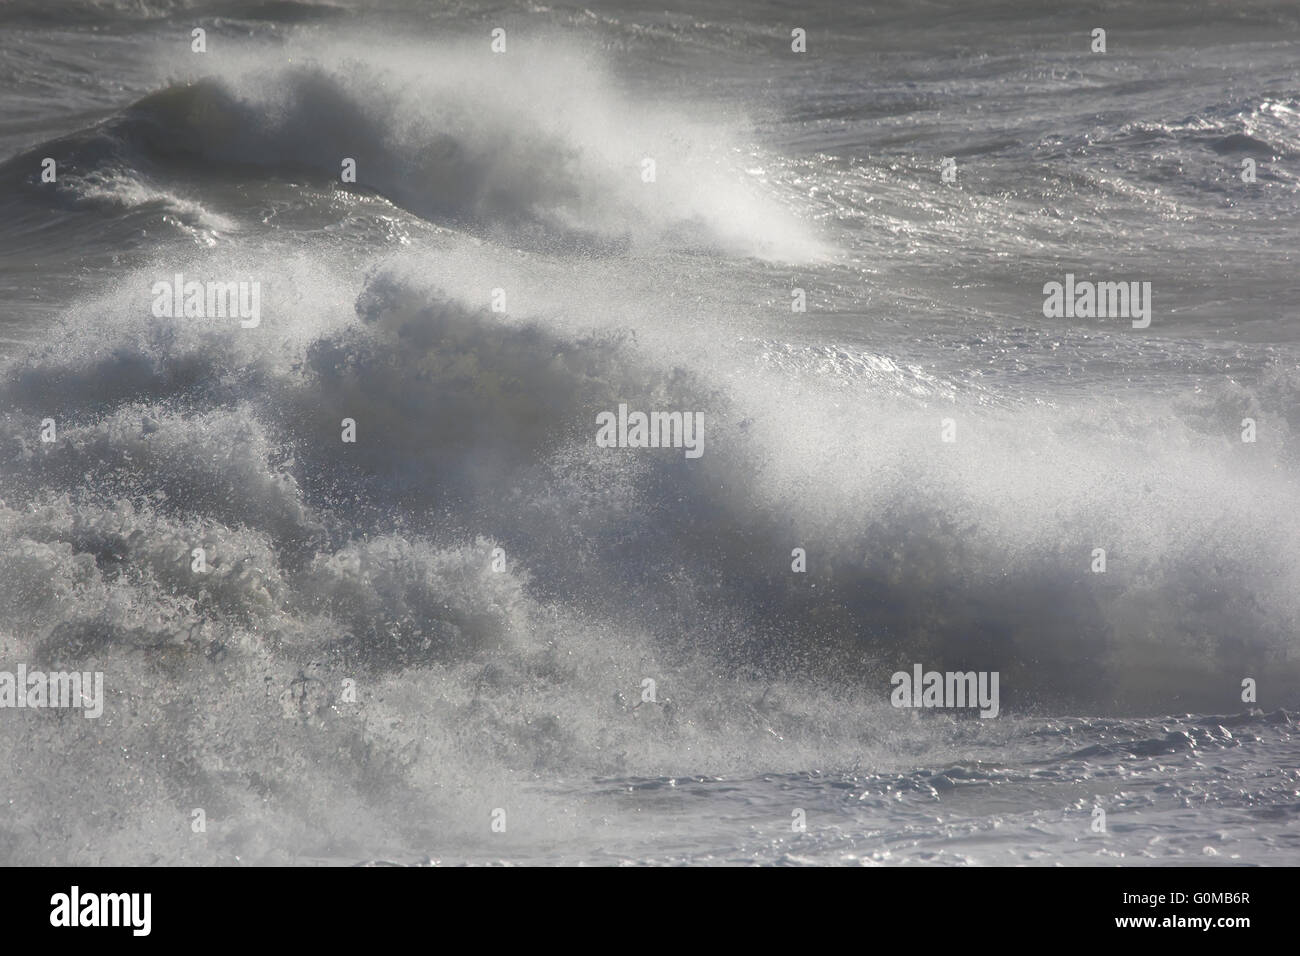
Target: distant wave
[(456, 144)]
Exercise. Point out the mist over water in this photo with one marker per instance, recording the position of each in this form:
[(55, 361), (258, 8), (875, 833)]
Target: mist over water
[(457, 613)]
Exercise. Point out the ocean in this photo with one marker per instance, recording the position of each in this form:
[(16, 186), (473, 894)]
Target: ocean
[(689, 433)]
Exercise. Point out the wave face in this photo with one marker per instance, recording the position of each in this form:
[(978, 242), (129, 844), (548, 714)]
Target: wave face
[(474, 606)]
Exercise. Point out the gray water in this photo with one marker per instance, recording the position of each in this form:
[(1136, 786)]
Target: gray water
[(360, 675)]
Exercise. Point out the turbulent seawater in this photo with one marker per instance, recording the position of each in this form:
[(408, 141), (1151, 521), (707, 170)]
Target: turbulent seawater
[(509, 685)]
